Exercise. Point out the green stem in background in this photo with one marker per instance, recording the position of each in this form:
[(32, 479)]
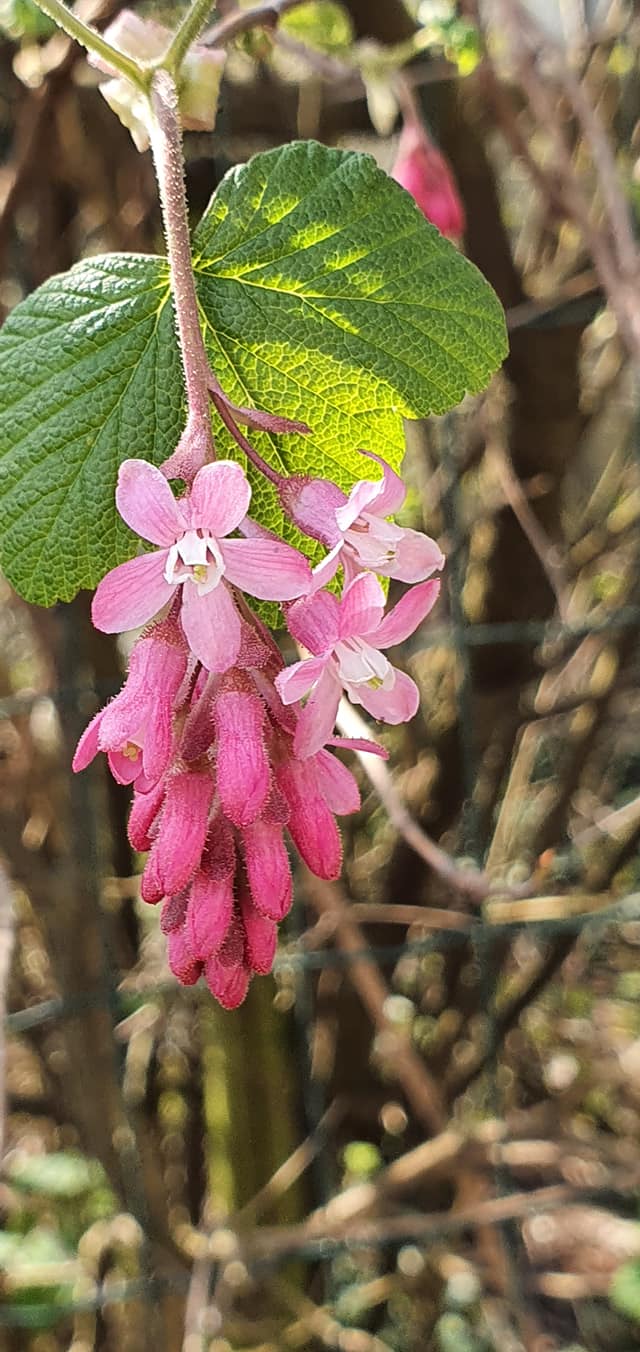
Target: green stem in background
[(90, 38), (186, 33), (166, 144)]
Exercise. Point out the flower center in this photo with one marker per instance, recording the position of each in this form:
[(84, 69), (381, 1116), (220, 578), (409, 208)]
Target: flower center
[(195, 558), (360, 664), (374, 541), (130, 751)]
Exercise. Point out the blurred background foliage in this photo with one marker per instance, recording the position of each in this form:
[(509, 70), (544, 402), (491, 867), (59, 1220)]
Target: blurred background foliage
[(422, 1135)]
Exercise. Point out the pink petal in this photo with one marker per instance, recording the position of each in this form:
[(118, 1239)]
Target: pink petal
[(182, 831), (323, 572), (297, 680), (268, 569), (261, 937), (219, 498), (362, 607), (405, 617), (360, 500), (229, 985), (268, 870), (337, 784), (315, 622), (397, 705), (312, 506), (146, 807), (243, 772), (209, 914), (212, 626), (311, 824), (145, 501), (131, 594), (219, 858), (151, 884), (125, 769), (391, 490), (416, 557), (173, 912), (88, 746), (182, 962), (316, 720), (362, 744)]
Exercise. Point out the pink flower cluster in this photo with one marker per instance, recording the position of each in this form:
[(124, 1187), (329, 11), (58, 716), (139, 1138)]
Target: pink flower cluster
[(210, 727)]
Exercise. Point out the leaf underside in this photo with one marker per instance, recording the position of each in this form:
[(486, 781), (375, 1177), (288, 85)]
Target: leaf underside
[(325, 296)]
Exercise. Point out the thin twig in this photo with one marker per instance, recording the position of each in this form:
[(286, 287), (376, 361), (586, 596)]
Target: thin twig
[(471, 882), (419, 1085), (542, 546), (266, 15), (6, 950)]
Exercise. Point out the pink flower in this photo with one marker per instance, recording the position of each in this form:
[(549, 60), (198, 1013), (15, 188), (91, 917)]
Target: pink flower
[(194, 554), (344, 639), (355, 528), (423, 170), (136, 728)]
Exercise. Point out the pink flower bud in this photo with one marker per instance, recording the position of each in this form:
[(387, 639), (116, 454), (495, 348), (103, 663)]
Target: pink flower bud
[(146, 807), (152, 888), (174, 910), (312, 505), (229, 985), (243, 773), (268, 870), (182, 831), (311, 824), (423, 170), (209, 914), (182, 962), (260, 937)]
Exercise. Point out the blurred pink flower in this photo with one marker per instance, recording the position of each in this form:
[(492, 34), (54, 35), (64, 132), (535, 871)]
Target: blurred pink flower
[(423, 170)]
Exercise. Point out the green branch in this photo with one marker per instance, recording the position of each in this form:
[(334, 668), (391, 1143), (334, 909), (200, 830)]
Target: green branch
[(186, 33), (94, 42)]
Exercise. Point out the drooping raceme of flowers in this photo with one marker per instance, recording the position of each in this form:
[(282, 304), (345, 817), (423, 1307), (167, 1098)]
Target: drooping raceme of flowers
[(210, 728)]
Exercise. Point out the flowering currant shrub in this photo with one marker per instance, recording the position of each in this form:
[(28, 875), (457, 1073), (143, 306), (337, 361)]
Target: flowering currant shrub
[(212, 442)]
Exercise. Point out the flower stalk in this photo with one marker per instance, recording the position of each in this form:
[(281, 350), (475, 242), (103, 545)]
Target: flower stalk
[(187, 31), (166, 145), (93, 41)]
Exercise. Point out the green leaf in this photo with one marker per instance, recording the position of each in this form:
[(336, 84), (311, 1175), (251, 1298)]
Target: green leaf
[(327, 296), (324, 295), (90, 375)]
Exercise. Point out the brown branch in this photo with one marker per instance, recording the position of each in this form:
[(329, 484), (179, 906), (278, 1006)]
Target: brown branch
[(265, 15), (473, 883), (422, 1091), (6, 950)]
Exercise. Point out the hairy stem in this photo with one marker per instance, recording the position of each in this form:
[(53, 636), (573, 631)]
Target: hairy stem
[(186, 33), (94, 42), (166, 144)]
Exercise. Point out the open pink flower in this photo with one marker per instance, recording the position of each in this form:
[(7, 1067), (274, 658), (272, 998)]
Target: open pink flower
[(356, 530), (194, 553), (136, 728), (344, 639)]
